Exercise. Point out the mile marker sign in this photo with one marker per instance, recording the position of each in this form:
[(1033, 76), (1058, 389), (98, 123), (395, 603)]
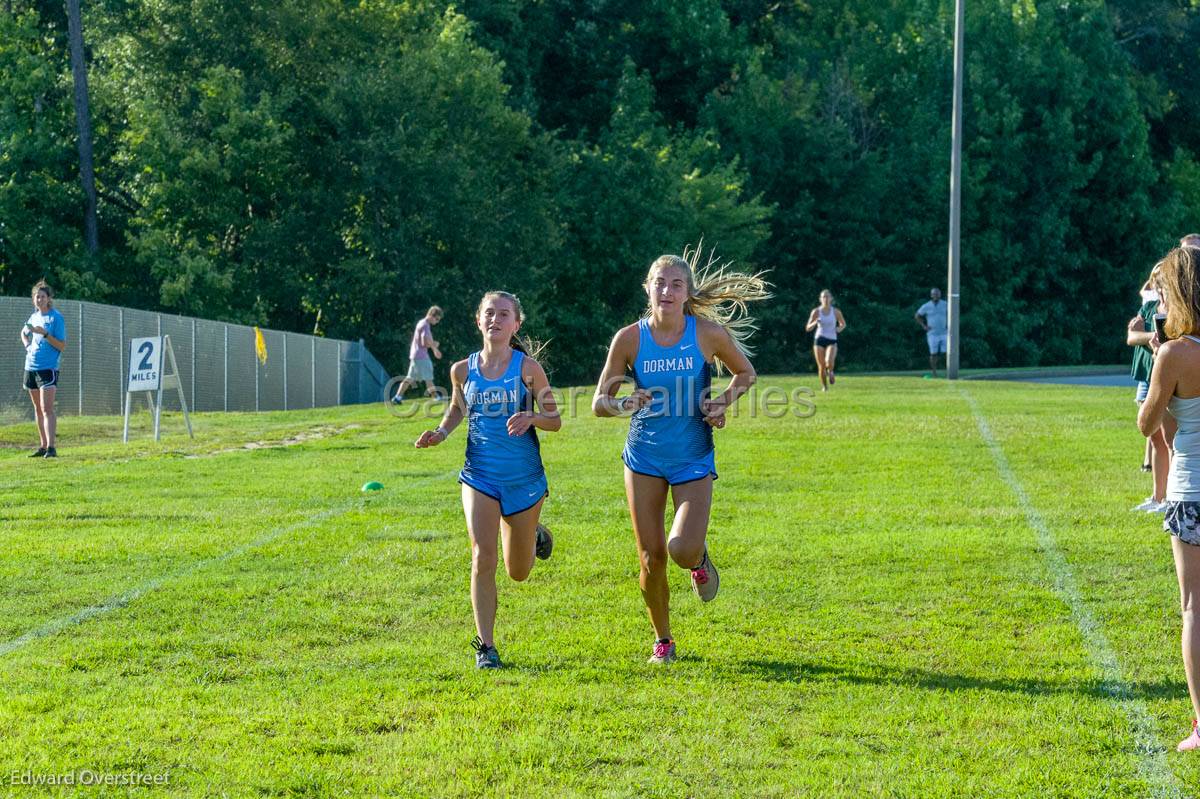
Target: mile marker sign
[(146, 375), (145, 363)]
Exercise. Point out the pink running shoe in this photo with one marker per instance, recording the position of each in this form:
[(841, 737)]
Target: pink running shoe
[(705, 580), (664, 652), (1191, 742)]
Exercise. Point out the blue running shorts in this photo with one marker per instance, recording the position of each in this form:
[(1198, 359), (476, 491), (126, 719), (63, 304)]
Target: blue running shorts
[(514, 498), (674, 473)]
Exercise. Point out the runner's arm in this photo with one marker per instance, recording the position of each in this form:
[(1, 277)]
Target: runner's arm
[(56, 343), (621, 353), (547, 417), (716, 340), (455, 411)]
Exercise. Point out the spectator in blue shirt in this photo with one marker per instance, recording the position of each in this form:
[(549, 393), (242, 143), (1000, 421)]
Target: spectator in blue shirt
[(44, 338)]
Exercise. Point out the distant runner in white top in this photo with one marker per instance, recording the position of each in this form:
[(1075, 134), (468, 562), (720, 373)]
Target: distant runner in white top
[(420, 368), (828, 322), (932, 317)]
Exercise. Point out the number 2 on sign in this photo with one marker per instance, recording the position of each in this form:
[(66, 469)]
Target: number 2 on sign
[(146, 350)]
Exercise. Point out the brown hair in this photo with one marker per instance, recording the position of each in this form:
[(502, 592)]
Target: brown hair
[(717, 293), (1179, 277), (530, 347), (42, 285)]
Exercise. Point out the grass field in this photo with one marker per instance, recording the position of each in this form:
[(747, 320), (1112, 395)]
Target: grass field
[(912, 605)]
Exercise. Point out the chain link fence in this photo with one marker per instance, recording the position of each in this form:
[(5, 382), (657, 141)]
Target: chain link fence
[(217, 363)]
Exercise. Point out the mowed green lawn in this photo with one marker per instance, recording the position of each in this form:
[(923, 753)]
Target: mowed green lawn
[(249, 623)]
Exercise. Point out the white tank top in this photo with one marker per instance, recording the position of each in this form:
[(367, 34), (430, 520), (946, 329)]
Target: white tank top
[(827, 324), (1183, 482)]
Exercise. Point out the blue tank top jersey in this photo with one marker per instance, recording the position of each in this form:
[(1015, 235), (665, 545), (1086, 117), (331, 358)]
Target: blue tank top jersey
[(492, 454), (671, 428)]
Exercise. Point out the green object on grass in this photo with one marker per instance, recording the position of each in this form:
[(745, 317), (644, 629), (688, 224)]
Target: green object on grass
[(372, 486)]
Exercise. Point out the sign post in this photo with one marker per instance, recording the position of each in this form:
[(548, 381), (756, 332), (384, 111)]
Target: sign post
[(146, 376)]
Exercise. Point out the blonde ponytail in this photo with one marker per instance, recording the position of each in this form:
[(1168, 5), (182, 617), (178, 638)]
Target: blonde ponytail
[(531, 347)]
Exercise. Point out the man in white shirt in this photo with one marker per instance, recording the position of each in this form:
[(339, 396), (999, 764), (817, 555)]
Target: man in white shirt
[(932, 317)]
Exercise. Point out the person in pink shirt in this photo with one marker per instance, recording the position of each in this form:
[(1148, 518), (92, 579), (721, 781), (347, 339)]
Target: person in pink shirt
[(420, 367)]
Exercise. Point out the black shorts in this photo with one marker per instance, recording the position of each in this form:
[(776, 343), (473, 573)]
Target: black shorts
[(41, 378), (825, 342)]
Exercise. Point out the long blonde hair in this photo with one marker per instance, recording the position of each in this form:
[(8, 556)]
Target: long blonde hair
[(717, 292), (1179, 276), (521, 343)]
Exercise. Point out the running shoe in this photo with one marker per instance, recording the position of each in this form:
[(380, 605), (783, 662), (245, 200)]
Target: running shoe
[(51, 452), (1160, 507), (1147, 467), (544, 543), (40, 452), (705, 580), (664, 652), (486, 656), (1147, 504), (1191, 742)]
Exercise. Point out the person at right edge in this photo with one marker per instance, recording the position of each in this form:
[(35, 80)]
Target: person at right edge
[(1175, 388)]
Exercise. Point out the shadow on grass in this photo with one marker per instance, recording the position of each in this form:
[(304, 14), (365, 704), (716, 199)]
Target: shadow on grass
[(878, 674)]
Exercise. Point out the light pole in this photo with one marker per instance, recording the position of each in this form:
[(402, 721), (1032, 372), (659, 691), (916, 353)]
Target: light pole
[(952, 340)]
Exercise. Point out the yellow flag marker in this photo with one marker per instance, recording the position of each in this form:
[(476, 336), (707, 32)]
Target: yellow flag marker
[(260, 346)]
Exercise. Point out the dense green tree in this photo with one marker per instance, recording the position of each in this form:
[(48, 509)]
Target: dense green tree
[(1059, 227), (638, 192), (39, 194), (313, 164), (436, 189)]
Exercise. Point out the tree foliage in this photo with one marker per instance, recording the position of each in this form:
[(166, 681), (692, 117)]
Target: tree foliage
[(340, 166)]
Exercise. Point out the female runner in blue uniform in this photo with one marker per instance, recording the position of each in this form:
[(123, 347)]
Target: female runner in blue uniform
[(503, 483), (689, 331)]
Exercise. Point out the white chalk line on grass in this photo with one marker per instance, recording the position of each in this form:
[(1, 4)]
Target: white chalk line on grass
[(132, 595), (1153, 759), (120, 601)]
